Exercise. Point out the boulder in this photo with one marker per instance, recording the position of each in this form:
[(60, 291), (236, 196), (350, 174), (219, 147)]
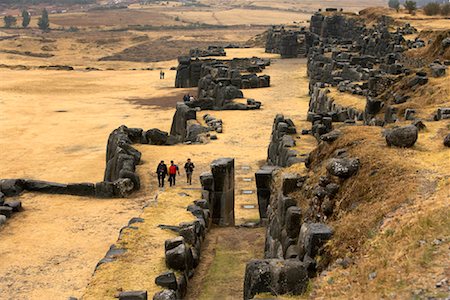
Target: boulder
[(343, 167), (176, 258), (11, 187), (275, 276), (167, 280), (447, 140), (165, 295), (156, 137), (2, 220), (133, 295), (6, 211), (403, 137), (312, 237), (15, 205)]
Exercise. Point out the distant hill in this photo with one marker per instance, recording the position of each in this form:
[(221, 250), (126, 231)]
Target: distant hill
[(31, 2)]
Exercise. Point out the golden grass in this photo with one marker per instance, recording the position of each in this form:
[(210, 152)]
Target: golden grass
[(398, 197), (347, 99), (144, 258), (426, 99)]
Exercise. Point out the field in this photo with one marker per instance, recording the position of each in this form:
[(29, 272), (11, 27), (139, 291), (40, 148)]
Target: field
[(55, 125)]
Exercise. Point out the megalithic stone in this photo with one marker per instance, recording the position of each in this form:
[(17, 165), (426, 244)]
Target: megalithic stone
[(223, 195)]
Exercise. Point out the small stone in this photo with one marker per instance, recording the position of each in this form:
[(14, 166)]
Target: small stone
[(372, 275)]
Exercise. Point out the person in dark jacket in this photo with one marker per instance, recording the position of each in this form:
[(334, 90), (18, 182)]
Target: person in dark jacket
[(189, 168), (161, 171)]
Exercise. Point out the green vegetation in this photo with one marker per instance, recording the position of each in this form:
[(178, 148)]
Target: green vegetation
[(26, 18), (445, 9), (432, 9), (395, 4), (411, 6), (43, 22), (9, 21)]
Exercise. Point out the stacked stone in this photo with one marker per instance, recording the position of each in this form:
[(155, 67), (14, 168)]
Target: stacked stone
[(287, 43), (9, 188), (442, 113), (213, 123), (182, 254), (322, 104), (281, 141), (211, 51), (290, 248), (190, 71), (264, 179), (218, 188)]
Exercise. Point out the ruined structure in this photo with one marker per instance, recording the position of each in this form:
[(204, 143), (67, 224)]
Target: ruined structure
[(219, 82), (289, 43), (218, 188), (210, 51)]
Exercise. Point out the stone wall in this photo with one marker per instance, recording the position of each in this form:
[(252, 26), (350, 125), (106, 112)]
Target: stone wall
[(218, 187), (291, 245), (280, 152), (190, 71), (289, 43)]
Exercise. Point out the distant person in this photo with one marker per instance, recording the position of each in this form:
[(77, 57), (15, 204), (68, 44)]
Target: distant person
[(191, 98), (173, 170), (161, 74), (189, 168), (161, 171), (186, 98)]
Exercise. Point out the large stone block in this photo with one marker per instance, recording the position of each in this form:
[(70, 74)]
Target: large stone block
[(312, 237), (223, 196), (274, 276)]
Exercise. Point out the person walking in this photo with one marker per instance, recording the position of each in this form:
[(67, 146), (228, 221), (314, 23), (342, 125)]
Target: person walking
[(161, 171), (173, 170), (189, 168), (161, 74)]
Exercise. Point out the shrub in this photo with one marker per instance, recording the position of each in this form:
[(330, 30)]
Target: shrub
[(432, 9), (43, 21), (25, 18), (395, 4), (445, 9), (10, 21), (410, 6)]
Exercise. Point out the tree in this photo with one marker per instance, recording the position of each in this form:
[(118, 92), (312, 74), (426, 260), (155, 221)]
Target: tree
[(43, 22), (432, 9), (395, 4), (411, 6), (445, 9), (25, 18), (9, 21)]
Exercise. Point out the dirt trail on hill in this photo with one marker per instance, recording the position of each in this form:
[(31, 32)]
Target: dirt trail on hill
[(55, 126)]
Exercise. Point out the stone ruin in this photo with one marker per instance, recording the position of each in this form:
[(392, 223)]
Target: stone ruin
[(280, 152), (353, 58), (210, 51), (218, 189), (189, 71), (182, 253), (220, 82), (289, 43)]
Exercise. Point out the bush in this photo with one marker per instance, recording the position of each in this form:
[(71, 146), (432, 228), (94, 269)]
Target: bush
[(43, 21), (410, 6), (9, 21), (445, 9), (26, 17), (395, 4), (432, 9)]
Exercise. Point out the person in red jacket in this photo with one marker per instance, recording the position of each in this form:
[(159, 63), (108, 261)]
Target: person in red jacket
[(173, 170)]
